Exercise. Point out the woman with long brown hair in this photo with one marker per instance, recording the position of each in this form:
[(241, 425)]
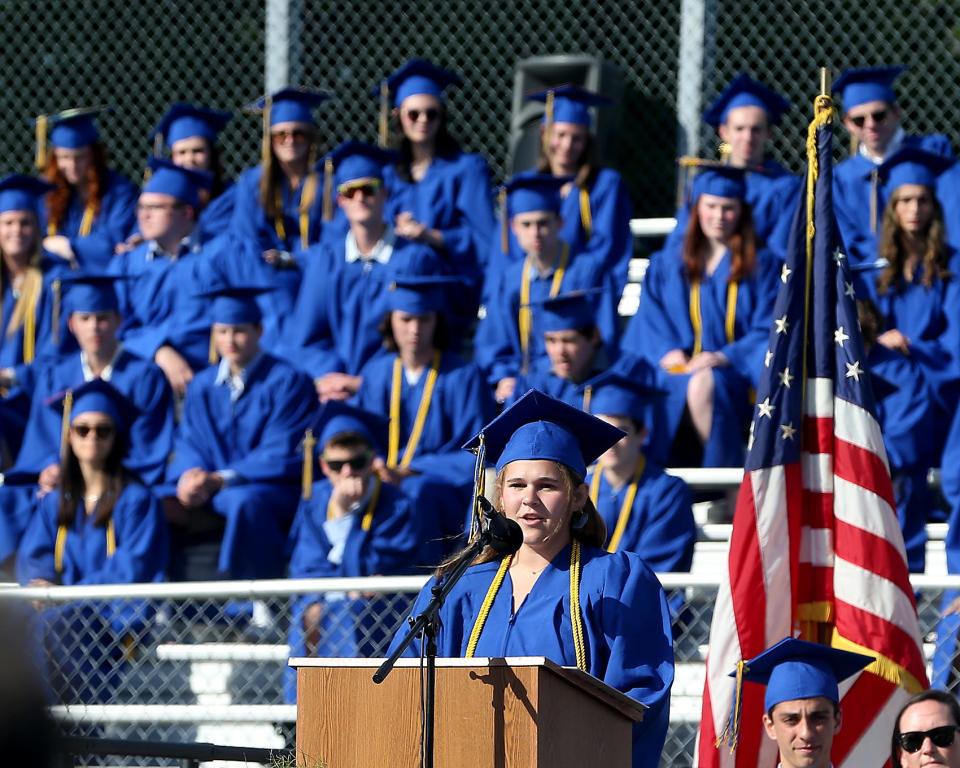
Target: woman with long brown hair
[(559, 595), (703, 320), (92, 208)]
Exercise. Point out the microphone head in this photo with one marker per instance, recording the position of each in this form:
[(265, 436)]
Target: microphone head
[(486, 506), (505, 535)]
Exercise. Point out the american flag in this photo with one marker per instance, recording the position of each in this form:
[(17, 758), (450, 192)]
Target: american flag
[(816, 550)]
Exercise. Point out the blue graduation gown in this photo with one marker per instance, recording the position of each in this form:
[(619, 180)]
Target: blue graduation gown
[(159, 305), (660, 528), (662, 323), (771, 197), (626, 628), (853, 186), (348, 626), (217, 216), (497, 343), (257, 438), (250, 221), (115, 222), (454, 197), (541, 376), (48, 340)]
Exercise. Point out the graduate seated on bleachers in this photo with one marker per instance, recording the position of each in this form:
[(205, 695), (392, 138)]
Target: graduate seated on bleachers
[(101, 526), (29, 292), (435, 402), (92, 208), (278, 203), (645, 510), (350, 524), (333, 330), (90, 303), (704, 319), (164, 319), (510, 338), (743, 115), (872, 115), (235, 464)]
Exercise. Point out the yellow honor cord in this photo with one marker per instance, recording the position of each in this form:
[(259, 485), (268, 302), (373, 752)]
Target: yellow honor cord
[(86, 223), (306, 480), (576, 619), (586, 216), (696, 317), (41, 136), (266, 149), (55, 289), (60, 547), (328, 189), (366, 522), (393, 447), (383, 132), (278, 224), (626, 508), (525, 315), (212, 356), (307, 195), (731, 320)]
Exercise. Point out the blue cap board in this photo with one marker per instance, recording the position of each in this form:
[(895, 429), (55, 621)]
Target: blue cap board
[(614, 394), (98, 396), (866, 84), (184, 121), (571, 103), (235, 304), (795, 669), (184, 184), (538, 426), (533, 191), (744, 91), (419, 76), (912, 165), (355, 161), (573, 310), (339, 418), (86, 292), (74, 128), (292, 104), (722, 181), (419, 294), (19, 192)]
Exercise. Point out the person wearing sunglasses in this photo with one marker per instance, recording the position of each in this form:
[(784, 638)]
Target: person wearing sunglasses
[(349, 524), (333, 329), (872, 116), (801, 703), (743, 116), (440, 195), (926, 731), (101, 526)]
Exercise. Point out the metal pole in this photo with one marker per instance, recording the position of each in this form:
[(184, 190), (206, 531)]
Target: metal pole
[(283, 44), (696, 25)]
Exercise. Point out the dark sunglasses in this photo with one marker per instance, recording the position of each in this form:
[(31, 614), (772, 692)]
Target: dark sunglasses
[(878, 117), (367, 189), (102, 431), (941, 737), (297, 134), (356, 463), (430, 114)]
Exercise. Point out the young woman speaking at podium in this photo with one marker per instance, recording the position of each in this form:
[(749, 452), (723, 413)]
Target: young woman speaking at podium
[(560, 595)]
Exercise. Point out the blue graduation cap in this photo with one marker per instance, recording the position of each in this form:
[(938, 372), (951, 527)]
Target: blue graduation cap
[(720, 180), (533, 191), (573, 310), (419, 294), (795, 669), (355, 160), (538, 426), (184, 184), (235, 304), (615, 394), (19, 192), (184, 121), (568, 104), (90, 292), (418, 76), (912, 165), (293, 104), (744, 91), (339, 418), (95, 396), (72, 128), (859, 86)]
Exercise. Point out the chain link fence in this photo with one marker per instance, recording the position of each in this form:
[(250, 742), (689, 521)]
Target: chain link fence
[(140, 57), (213, 668)]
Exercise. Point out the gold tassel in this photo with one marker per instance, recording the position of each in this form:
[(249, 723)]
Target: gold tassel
[(158, 144), (265, 148), (309, 442), (384, 123), (724, 150), (548, 122), (212, 357), (328, 189), (504, 232), (55, 288), (65, 423), (41, 131)]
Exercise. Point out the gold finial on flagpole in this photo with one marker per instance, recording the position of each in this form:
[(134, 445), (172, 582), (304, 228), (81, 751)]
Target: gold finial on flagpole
[(826, 81)]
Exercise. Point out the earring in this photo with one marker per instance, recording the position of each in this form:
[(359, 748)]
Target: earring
[(580, 520)]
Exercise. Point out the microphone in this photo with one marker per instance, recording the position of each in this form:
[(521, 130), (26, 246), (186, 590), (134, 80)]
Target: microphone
[(505, 536)]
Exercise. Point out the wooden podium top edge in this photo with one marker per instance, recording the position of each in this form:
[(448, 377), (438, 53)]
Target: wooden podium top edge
[(629, 708)]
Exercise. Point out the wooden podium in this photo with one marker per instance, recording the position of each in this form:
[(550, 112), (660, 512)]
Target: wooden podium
[(490, 713)]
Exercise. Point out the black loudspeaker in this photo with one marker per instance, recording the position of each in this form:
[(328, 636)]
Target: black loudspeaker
[(542, 72)]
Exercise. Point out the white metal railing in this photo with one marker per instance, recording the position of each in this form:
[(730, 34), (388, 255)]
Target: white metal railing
[(652, 227)]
